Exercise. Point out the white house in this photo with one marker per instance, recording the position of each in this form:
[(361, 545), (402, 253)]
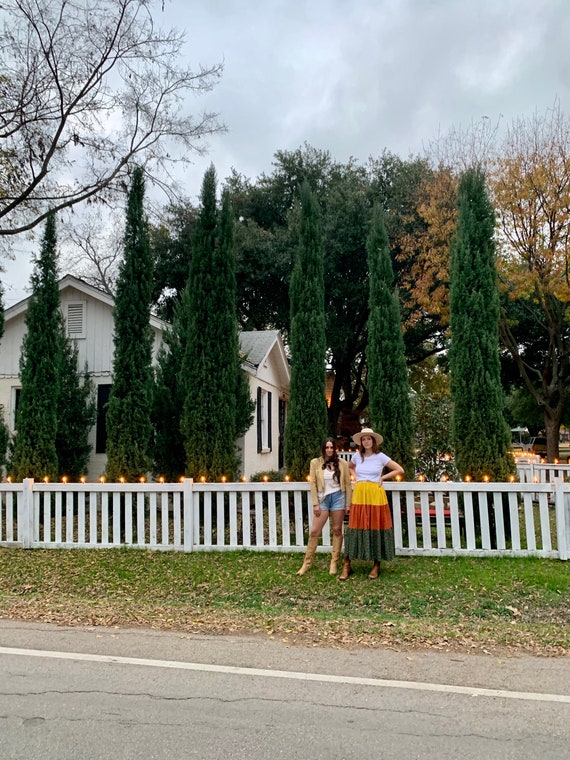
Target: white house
[(88, 315)]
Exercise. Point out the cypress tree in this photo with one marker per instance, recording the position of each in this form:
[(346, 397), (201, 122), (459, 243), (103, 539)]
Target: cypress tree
[(34, 453), (4, 433), (388, 386), (129, 426), (168, 450), (76, 415), (214, 413), (480, 433), (306, 425)]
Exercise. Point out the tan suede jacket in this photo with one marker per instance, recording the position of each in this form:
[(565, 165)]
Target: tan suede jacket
[(317, 479)]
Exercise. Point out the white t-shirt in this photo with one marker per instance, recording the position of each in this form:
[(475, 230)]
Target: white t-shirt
[(370, 467)]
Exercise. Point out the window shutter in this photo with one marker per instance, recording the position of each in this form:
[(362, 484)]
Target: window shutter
[(269, 442), (259, 422)]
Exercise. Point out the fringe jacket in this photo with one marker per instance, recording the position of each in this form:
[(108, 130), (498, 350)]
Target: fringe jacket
[(317, 479)]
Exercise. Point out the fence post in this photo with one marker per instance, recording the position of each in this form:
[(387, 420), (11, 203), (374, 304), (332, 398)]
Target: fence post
[(188, 501), (26, 514), (562, 538)]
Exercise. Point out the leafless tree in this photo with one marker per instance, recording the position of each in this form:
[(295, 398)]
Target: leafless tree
[(92, 249), (87, 88)]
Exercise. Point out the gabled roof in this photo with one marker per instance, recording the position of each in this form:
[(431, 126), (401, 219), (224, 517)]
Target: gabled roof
[(256, 345), (70, 281)]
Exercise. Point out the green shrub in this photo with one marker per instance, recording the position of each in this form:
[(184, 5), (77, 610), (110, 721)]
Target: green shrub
[(272, 476)]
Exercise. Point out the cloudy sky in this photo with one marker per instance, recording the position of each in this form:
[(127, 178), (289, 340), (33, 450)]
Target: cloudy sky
[(355, 77)]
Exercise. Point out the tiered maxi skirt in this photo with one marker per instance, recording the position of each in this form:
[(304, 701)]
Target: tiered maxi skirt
[(370, 532)]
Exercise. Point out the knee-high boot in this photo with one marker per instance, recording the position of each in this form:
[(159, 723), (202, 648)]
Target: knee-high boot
[(335, 556), (309, 554)]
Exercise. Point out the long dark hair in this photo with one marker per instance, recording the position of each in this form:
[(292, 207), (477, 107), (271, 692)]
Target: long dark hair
[(333, 459)]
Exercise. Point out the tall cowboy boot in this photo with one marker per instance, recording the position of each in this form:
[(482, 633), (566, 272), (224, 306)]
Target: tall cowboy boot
[(309, 554), (335, 556), (346, 569)]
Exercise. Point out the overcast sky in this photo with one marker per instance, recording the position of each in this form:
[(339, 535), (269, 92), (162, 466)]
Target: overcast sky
[(355, 77)]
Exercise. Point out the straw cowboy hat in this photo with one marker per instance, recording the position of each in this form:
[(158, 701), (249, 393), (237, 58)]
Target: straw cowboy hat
[(357, 437)]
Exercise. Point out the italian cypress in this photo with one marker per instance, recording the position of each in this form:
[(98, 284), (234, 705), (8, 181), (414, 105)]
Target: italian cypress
[(129, 426), (169, 457), (76, 414), (211, 368), (306, 425), (389, 403), (480, 433), (4, 432), (34, 452)]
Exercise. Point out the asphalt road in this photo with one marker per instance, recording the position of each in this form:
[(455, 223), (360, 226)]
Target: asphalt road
[(86, 693)]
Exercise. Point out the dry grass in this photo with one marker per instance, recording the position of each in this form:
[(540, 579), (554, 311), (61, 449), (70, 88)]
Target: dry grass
[(480, 605)]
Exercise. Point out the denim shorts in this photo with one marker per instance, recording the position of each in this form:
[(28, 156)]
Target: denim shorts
[(334, 502)]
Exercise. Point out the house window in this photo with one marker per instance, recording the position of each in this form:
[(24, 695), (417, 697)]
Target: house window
[(263, 421), (103, 392), (16, 393), (75, 319)]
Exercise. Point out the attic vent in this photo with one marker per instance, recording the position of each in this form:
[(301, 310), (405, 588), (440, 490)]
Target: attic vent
[(75, 320)]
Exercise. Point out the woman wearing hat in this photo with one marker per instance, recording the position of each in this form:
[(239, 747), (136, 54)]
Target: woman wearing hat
[(330, 489), (370, 534)]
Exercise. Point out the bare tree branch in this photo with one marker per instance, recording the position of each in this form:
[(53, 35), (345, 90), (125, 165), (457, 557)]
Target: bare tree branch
[(85, 90)]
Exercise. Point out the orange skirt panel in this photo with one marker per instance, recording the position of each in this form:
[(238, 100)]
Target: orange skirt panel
[(369, 509)]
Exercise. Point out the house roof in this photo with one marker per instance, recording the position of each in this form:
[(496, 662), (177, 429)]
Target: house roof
[(70, 281), (256, 345)]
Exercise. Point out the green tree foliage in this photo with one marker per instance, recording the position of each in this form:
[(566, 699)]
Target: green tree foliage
[(169, 457), (306, 422), (480, 433), (388, 387), (432, 436), (217, 408), (34, 452), (76, 414), (129, 424), (266, 239), (4, 432), (171, 244)]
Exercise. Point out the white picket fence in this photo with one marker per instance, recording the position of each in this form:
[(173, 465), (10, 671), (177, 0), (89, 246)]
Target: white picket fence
[(530, 518)]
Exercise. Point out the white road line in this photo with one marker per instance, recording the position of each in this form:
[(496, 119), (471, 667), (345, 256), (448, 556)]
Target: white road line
[(471, 691)]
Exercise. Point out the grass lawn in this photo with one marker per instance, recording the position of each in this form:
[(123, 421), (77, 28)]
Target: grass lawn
[(469, 604)]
